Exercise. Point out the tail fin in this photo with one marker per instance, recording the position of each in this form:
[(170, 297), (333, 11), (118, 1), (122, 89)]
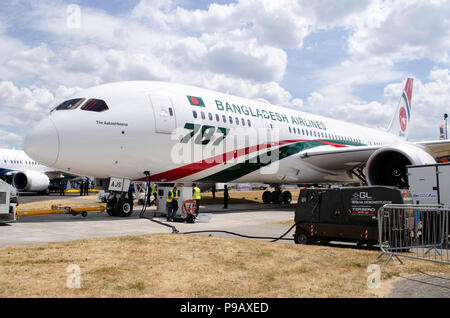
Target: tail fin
[(399, 125)]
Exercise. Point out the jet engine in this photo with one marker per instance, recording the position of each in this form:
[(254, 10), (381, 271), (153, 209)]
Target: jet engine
[(31, 181), (387, 165)]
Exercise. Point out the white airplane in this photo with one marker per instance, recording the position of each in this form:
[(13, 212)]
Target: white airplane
[(25, 174), (180, 133)]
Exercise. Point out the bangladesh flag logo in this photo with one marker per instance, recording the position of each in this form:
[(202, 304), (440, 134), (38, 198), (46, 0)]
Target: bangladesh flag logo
[(196, 101)]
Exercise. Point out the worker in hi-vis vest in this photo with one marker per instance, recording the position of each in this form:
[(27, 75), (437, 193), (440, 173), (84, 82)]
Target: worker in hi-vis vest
[(154, 192), (169, 205), (196, 196), (175, 202)]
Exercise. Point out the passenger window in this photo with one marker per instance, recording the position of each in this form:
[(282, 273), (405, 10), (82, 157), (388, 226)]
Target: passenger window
[(203, 115), (170, 111), (217, 117), (249, 123), (194, 113), (230, 119), (95, 105), (290, 129), (210, 116), (224, 118), (243, 121), (237, 121)]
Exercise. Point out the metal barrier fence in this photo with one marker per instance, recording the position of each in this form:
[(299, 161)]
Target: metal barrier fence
[(414, 231)]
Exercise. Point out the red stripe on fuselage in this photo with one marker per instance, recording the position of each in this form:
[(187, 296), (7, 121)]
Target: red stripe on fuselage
[(332, 144), (196, 167)]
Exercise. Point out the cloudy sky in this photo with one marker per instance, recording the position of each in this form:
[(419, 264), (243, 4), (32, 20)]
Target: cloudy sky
[(346, 59)]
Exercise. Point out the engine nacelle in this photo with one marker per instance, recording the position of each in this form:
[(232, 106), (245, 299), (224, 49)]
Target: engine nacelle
[(31, 181), (387, 165)]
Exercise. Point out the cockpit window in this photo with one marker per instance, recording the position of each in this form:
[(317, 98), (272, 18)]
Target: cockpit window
[(95, 105), (70, 104)]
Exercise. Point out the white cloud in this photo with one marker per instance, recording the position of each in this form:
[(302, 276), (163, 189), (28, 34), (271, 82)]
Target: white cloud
[(240, 48), (429, 103), (23, 107), (8, 138), (403, 30)]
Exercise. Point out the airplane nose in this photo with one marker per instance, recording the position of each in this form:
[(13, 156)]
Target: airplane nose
[(42, 142)]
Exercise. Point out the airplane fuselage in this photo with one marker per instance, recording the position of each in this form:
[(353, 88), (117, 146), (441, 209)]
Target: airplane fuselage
[(17, 160), (152, 126)]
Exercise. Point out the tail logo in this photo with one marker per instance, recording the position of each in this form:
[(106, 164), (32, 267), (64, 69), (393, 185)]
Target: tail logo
[(403, 119)]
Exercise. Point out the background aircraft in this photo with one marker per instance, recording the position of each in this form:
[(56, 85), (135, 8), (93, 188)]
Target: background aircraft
[(126, 129), (24, 173)]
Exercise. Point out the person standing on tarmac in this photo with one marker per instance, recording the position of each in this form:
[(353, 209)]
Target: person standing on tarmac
[(213, 190), (130, 193), (154, 193), (225, 197), (61, 188), (81, 187), (197, 197), (86, 187), (169, 204), (174, 203)]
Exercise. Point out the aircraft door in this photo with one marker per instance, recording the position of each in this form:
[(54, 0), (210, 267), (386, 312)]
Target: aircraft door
[(165, 121)]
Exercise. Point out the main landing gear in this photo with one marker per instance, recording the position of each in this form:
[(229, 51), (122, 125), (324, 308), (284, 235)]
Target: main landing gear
[(277, 197)]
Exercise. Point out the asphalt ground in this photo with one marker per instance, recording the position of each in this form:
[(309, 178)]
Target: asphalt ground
[(422, 286), (246, 219)]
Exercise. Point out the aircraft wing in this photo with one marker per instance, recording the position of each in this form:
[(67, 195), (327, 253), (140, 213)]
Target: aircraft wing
[(439, 148), (338, 158), (59, 176)]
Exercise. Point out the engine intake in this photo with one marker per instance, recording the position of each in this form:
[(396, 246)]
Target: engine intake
[(31, 181), (387, 165)]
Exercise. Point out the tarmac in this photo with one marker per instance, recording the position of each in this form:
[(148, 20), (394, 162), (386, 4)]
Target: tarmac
[(247, 219)]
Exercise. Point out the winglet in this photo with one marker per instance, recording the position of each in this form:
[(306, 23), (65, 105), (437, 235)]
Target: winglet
[(399, 125)]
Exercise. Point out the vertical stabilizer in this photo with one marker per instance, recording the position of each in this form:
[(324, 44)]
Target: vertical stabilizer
[(400, 122)]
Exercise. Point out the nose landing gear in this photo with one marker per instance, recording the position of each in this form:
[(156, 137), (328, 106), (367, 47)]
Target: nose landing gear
[(118, 204)]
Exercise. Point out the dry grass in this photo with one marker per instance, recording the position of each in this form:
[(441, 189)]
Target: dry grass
[(169, 265)]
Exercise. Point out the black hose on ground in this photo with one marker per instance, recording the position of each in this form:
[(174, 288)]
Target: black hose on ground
[(274, 239)]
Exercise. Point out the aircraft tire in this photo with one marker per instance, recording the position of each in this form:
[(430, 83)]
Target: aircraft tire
[(267, 197), (287, 197), (124, 207), (111, 212), (111, 206), (277, 197)]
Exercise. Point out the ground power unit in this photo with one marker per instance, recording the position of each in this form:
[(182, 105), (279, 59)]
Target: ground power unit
[(184, 193), (430, 184), (346, 214), (8, 202)]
